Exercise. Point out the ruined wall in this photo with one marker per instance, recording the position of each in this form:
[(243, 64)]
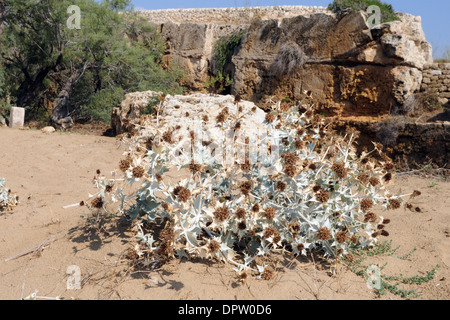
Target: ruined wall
[(436, 78), (228, 16), (351, 69)]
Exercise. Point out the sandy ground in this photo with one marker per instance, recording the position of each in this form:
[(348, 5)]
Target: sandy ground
[(49, 171)]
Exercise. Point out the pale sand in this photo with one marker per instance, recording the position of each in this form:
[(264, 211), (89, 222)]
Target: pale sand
[(49, 171)]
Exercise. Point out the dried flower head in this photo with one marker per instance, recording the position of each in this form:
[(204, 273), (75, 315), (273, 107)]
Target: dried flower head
[(167, 137), (366, 204), (394, 204), (195, 167), (242, 225), (240, 213), (256, 208), (416, 193), (97, 203), (323, 234), (184, 194), (387, 177), (270, 231), (269, 213), (221, 118), (298, 144), (281, 186), (363, 178), (124, 164), (341, 236), (370, 217), (246, 187), (246, 166), (221, 214), (290, 159), (268, 273), (374, 181), (138, 172), (213, 246), (290, 170), (323, 196), (389, 166), (270, 117)]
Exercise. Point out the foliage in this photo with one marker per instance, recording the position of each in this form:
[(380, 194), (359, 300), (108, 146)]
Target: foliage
[(343, 6), (7, 200), (317, 194), (86, 71), (388, 283), (218, 84), (224, 49), (5, 109)]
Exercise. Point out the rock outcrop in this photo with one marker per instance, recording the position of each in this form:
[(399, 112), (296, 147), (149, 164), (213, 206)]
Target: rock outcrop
[(185, 112), (351, 69)]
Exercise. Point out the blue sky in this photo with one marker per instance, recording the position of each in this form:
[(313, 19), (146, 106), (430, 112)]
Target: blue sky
[(434, 13)]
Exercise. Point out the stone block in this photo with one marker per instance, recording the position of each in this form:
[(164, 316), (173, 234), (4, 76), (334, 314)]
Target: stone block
[(436, 73), (16, 117)]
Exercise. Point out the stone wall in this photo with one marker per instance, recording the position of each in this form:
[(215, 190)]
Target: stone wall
[(351, 69), (436, 78), (228, 16)]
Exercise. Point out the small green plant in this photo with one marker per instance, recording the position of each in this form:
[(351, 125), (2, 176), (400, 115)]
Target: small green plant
[(387, 283), (151, 106), (224, 50), (344, 6), (218, 84)]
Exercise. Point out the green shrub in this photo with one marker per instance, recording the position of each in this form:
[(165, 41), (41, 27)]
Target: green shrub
[(343, 6), (224, 50), (218, 84)]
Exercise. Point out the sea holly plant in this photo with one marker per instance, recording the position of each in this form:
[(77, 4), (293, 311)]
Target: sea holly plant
[(7, 200), (292, 186)]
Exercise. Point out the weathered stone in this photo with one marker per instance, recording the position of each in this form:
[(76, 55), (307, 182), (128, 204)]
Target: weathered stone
[(185, 113), (17, 117), (48, 129), (130, 109), (436, 72), (426, 80), (331, 45), (406, 82)]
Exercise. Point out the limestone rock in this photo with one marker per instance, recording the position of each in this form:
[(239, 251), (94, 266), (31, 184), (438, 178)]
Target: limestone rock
[(130, 109), (184, 113), (48, 129), (17, 117)]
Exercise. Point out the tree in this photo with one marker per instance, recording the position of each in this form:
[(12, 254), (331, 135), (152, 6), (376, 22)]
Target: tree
[(49, 64)]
